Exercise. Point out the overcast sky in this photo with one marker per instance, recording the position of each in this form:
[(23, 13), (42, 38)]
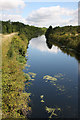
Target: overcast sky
[(42, 14)]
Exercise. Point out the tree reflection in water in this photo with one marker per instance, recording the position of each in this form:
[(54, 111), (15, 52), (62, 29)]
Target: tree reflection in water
[(68, 51)]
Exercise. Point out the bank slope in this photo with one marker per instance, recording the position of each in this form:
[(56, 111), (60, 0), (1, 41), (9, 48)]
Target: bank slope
[(14, 46), (67, 36)]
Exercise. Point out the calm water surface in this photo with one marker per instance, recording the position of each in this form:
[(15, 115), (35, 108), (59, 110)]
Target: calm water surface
[(60, 95)]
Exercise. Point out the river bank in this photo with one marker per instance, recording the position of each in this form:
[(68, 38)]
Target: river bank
[(64, 37), (15, 101)]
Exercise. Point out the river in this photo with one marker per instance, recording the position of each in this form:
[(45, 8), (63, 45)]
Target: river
[(54, 92)]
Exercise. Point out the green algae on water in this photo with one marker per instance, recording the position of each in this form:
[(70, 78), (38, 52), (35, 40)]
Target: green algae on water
[(47, 77), (32, 74), (41, 96), (42, 101), (52, 111)]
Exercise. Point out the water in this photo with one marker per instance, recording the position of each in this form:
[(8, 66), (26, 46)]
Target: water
[(60, 95)]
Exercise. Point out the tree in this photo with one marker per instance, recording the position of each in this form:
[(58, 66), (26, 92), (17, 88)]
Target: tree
[(49, 30)]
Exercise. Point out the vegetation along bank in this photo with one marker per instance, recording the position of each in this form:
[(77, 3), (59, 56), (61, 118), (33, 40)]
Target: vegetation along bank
[(67, 38), (15, 39)]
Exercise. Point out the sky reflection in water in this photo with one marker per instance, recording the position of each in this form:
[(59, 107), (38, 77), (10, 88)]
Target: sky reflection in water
[(40, 44), (63, 93)]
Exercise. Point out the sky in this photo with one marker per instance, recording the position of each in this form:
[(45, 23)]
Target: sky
[(41, 14)]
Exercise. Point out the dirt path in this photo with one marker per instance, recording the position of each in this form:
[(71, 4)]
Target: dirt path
[(8, 37), (4, 41)]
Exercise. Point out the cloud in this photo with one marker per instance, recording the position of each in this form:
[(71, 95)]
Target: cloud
[(40, 44), (11, 4), (42, 17), (11, 9), (14, 18), (55, 15)]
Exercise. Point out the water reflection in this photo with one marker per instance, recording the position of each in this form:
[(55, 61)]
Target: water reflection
[(68, 51), (59, 90), (40, 44), (79, 90)]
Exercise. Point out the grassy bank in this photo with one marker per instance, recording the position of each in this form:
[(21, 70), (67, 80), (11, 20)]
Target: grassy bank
[(66, 37), (15, 101), (14, 46)]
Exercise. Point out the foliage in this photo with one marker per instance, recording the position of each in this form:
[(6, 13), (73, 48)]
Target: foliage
[(25, 31), (15, 100), (49, 30), (67, 36)]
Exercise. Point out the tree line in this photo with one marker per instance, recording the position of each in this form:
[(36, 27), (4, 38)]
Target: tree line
[(67, 36), (23, 30)]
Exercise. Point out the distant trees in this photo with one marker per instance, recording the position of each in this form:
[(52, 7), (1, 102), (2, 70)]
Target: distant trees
[(49, 30), (68, 36), (6, 27), (26, 30), (78, 30)]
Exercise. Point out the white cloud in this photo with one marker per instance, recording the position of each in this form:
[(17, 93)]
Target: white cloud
[(11, 9), (54, 15), (43, 17), (11, 4), (15, 18), (40, 44)]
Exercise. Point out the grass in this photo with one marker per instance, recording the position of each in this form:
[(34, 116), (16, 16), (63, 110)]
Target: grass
[(14, 100)]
